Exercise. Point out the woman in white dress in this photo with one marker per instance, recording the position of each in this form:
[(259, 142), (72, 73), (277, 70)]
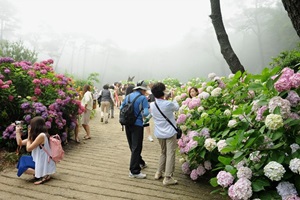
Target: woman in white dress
[(37, 137)]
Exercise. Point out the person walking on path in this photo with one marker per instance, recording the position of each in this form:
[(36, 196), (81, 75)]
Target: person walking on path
[(112, 104), (87, 102), (135, 133), (164, 132), (106, 98)]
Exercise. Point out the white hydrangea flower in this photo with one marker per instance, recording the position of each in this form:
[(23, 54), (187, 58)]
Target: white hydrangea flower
[(177, 98), (294, 147), (230, 75), (244, 172), (211, 76), (295, 165), (274, 171), (183, 128), (207, 165), (240, 164), (204, 115), (286, 189), (203, 95), (274, 121), (182, 109), (200, 108), (216, 92), (221, 144), (227, 112), (209, 88), (232, 123), (255, 156), (210, 144)]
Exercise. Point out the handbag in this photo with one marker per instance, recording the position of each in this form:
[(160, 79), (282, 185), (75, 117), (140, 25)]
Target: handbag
[(94, 104), (179, 131)]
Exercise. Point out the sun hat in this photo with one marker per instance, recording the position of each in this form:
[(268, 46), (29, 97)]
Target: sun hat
[(141, 85)]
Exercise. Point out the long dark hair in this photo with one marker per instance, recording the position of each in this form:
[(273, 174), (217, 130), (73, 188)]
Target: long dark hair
[(37, 126)]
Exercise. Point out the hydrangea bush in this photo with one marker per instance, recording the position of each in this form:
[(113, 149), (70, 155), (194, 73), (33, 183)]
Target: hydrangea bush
[(28, 90), (247, 127)]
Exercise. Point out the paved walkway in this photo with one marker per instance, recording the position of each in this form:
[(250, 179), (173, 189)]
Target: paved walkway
[(98, 169)]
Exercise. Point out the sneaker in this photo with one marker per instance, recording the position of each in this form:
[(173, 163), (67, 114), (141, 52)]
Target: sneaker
[(143, 166), (112, 117), (139, 176), (157, 175), (150, 138), (106, 122), (101, 120), (169, 181)]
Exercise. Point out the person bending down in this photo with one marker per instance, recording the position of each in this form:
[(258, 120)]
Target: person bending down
[(38, 164)]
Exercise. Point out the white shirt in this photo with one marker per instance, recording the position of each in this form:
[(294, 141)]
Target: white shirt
[(162, 128), (43, 164), (87, 99)]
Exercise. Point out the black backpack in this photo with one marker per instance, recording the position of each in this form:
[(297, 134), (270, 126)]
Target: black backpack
[(127, 116)]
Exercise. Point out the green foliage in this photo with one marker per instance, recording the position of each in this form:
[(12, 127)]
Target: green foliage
[(17, 51), (227, 125), (288, 59), (91, 80)]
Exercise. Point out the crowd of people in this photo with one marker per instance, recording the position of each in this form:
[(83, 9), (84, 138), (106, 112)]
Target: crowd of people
[(152, 100)]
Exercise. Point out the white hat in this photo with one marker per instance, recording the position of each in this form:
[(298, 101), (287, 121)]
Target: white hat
[(141, 85)]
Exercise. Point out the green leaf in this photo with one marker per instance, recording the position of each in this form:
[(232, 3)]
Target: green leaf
[(277, 110), (202, 153), (292, 122), (238, 154), (249, 142), (260, 184), (276, 135), (230, 169), (214, 182), (277, 145), (255, 86), (225, 160)]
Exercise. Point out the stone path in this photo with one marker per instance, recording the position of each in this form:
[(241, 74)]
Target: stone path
[(98, 169)]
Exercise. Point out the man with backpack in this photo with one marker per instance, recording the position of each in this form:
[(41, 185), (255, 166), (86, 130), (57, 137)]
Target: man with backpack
[(134, 128)]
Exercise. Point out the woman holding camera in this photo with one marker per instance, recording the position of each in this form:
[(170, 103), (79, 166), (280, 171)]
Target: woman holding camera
[(38, 164), (164, 132)]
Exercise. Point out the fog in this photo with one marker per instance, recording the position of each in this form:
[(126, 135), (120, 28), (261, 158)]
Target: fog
[(148, 39)]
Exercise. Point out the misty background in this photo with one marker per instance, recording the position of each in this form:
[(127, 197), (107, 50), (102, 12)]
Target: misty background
[(148, 39)]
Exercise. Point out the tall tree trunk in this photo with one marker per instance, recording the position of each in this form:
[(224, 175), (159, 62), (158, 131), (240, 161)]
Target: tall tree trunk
[(226, 49), (293, 9)]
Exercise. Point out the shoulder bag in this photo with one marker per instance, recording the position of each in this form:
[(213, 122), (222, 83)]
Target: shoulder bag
[(179, 131)]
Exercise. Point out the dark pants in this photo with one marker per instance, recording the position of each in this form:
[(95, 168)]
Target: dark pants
[(112, 105), (135, 136)]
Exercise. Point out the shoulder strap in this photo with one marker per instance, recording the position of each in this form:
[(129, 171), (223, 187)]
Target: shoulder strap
[(134, 98), (42, 146), (165, 116)]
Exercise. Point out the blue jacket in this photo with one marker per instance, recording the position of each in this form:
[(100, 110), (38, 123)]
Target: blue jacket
[(140, 103)]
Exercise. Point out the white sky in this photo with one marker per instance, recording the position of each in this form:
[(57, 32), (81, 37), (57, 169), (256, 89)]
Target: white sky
[(132, 24)]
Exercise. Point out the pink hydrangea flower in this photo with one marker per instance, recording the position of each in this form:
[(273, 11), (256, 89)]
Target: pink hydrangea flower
[(194, 174), (224, 178), (181, 119)]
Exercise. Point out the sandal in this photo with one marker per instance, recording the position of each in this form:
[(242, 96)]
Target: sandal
[(86, 137), (42, 180)]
